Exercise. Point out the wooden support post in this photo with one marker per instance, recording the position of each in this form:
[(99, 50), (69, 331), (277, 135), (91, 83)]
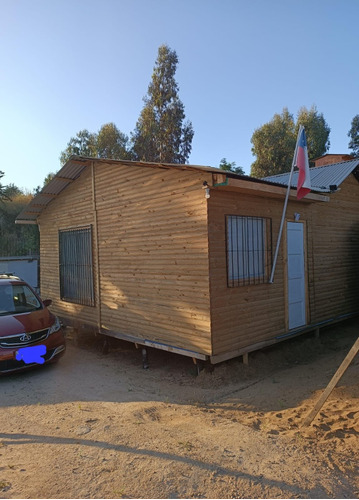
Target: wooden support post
[(145, 364), (246, 358), (338, 375), (75, 336), (197, 364), (105, 346), (317, 333)]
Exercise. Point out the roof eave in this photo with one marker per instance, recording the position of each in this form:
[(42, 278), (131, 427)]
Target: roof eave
[(26, 221), (262, 188)]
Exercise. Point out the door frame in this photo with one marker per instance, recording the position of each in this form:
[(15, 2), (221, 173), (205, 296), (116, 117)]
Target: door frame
[(285, 261)]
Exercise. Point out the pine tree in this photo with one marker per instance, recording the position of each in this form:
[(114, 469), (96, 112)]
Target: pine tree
[(161, 135)]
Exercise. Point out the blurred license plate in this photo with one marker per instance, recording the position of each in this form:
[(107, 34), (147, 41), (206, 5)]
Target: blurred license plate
[(31, 354)]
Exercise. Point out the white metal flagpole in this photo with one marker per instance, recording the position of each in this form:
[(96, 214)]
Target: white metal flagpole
[(285, 207)]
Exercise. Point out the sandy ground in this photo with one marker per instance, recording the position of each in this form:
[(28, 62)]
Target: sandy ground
[(100, 426)]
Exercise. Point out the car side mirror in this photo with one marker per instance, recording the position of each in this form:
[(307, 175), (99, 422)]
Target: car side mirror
[(47, 302)]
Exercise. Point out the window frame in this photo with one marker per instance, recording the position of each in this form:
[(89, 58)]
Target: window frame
[(76, 271), (256, 265)]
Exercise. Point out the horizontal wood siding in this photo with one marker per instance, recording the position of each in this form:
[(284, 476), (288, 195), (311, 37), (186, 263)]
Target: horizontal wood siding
[(243, 315), (153, 255), (152, 252), (161, 257), (71, 209), (335, 234), (246, 315)]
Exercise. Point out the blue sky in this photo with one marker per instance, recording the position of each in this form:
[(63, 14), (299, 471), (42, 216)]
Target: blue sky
[(67, 65)]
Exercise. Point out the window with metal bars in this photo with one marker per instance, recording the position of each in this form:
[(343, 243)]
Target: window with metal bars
[(76, 269), (249, 250)]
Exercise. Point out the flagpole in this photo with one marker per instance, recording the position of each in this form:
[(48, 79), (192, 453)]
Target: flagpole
[(284, 208)]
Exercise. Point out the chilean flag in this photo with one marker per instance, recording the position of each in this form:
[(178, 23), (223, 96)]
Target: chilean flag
[(301, 161)]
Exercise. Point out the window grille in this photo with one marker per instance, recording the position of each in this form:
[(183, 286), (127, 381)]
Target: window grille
[(76, 269), (249, 249)]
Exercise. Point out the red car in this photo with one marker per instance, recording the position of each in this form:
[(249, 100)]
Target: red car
[(30, 335)]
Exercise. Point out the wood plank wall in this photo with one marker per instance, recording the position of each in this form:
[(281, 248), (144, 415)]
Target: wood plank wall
[(246, 315), (73, 208), (153, 252), (335, 236)]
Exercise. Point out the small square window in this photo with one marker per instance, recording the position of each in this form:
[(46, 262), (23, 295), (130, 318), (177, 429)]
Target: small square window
[(248, 250)]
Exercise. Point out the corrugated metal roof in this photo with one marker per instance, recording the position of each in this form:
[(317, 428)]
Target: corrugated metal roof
[(62, 179), (76, 164), (73, 169), (321, 178)]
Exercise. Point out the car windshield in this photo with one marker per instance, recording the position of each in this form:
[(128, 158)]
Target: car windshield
[(16, 298)]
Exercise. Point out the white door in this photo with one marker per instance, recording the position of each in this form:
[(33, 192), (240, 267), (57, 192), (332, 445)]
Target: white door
[(296, 275)]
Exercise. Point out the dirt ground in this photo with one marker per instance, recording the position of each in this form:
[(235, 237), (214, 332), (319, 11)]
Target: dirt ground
[(100, 426)]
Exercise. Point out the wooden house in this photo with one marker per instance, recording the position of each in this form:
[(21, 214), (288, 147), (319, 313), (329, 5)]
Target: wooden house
[(178, 257)]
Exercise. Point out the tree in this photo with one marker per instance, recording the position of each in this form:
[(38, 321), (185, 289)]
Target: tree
[(273, 145), (47, 179), (83, 144), (230, 167), (4, 195), (16, 239), (10, 191), (161, 135), (354, 136), (109, 142), (112, 143), (274, 142), (316, 130)]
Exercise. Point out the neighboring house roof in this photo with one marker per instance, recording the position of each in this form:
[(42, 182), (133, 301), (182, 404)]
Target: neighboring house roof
[(344, 156), (322, 178)]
